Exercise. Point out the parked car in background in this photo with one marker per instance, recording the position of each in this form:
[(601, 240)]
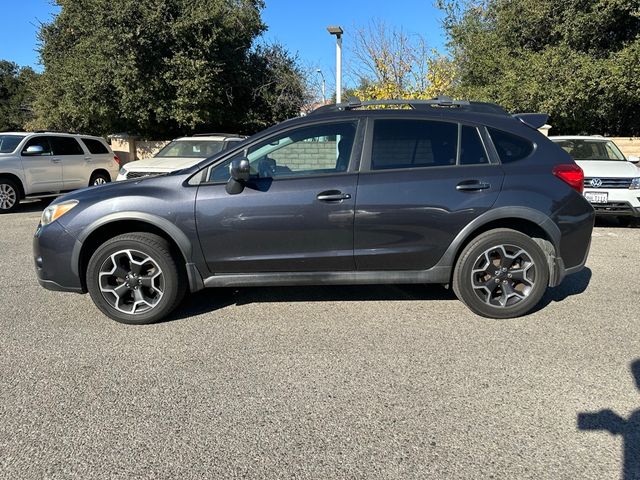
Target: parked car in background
[(612, 182), (457, 193), (40, 164), (180, 153)]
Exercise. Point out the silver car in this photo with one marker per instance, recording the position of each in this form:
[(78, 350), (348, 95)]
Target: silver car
[(40, 164)]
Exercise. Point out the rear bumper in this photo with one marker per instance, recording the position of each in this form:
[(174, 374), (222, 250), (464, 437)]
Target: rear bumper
[(52, 250)]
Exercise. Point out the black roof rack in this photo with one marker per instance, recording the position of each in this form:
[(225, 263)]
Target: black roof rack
[(56, 131), (439, 102), (218, 134)]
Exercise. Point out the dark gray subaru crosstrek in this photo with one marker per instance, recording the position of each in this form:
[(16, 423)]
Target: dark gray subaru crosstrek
[(439, 191)]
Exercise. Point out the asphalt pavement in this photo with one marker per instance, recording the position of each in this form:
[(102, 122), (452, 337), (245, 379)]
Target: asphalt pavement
[(322, 382)]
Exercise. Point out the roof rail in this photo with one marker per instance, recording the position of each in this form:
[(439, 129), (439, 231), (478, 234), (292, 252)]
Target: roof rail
[(218, 134), (439, 102), (56, 131)]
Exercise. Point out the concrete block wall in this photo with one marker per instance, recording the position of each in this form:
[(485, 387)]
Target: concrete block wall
[(307, 155), (628, 145), (130, 149)]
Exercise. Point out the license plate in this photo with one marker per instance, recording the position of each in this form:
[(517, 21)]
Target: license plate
[(597, 197)]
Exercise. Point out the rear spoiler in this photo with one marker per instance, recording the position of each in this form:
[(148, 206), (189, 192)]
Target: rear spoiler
[(533, 120)]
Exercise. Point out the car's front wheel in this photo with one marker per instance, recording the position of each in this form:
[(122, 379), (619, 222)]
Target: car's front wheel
[(9, 196), (134, 278), (502, 273)]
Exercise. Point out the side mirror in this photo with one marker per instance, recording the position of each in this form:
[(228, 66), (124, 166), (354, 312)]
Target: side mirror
[(239, 173), (34, 150), (634, 159)]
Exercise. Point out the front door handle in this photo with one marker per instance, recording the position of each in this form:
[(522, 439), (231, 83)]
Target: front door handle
[(56, 160), (333, 196), (472, 186)]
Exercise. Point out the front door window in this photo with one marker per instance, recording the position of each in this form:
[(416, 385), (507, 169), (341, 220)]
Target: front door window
[(315, 150)]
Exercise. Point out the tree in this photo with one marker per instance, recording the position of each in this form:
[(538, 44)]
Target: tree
[(390, 64), (278, 88), (159, 68), (16, 95), (578, 60)]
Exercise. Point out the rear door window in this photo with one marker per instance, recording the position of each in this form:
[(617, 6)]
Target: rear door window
[(66, 146), (510, 147), (94, 146), (413, 144)]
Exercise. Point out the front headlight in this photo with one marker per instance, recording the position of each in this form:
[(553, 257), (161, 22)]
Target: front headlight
[(635, 184), (53, 212)]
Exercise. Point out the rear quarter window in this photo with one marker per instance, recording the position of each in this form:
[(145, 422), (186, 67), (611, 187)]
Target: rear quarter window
[(510, 147), (95, 146)]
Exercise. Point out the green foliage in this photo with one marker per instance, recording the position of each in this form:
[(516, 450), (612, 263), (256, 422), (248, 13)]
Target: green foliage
[(159, 68), (578, 60), (16, 95)]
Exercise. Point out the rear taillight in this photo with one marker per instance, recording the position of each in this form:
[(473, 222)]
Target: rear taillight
[(571, 174), (116, 159)]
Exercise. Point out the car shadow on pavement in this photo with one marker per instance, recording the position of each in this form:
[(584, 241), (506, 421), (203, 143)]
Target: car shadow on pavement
[(212, 299), (572, 285), (32, 206), (629, 429)]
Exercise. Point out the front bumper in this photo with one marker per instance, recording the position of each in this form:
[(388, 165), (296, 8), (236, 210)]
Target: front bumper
[(52, 253), (620, 202), (618, 209)]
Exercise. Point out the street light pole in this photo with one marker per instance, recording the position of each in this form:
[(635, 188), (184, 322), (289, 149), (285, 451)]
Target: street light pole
[(337, 31), (324, 96)]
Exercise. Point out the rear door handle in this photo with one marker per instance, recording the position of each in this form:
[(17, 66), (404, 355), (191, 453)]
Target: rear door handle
[(333, 196), (472, 186), (88, 159), (56, 160)]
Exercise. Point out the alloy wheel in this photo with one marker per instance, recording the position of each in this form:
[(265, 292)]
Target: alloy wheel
[(503, 276), (99, 181), (131, 282), (8, 196)]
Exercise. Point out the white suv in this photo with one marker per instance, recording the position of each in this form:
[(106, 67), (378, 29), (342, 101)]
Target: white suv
[(180, 153), (611, 182), (45, 163)]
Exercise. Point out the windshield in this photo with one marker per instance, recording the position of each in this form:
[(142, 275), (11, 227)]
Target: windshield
[(8, 143), (191, 148), (591, 149)]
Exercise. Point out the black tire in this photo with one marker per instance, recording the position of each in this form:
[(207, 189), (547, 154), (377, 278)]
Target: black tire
[(99, 178), (168, 286), (519, 297), (624, 221), (9, 196)]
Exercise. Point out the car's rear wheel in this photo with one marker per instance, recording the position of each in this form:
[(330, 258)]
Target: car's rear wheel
[(135, 279), (99, 178), (9, 196), (502, 273)]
